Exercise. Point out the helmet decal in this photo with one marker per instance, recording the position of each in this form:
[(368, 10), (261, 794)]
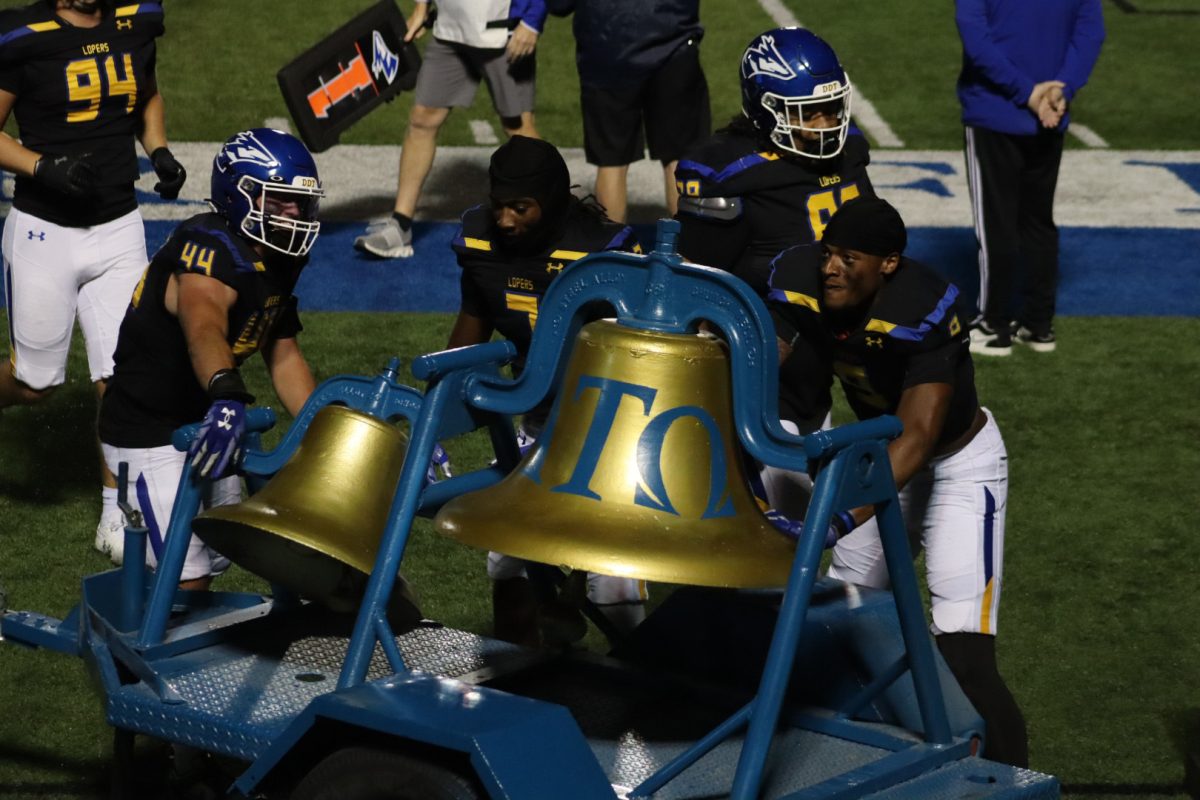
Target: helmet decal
[(245, 146), (762, 58)]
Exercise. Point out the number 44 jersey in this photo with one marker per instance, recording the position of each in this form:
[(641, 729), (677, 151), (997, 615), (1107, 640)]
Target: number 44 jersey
[(80, 91)]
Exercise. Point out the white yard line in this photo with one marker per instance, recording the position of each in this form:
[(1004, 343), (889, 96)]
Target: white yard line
[(1086, 135), (865, 115), (483, 132), (278, 123)]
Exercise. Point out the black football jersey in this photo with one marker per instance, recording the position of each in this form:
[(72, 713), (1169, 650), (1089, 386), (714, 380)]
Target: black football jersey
[(154, 389), (786, 200), (80, 91), (506, 289), (912, 334)]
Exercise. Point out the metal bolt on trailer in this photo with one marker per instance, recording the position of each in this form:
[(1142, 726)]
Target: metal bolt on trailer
[(789, 687)]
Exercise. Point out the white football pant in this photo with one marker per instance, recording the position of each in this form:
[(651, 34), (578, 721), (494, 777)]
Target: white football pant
[(154, 474), (955, 509), (53, 274)]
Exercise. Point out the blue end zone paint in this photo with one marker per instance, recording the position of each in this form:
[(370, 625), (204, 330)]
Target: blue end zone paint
[(1104, 271)]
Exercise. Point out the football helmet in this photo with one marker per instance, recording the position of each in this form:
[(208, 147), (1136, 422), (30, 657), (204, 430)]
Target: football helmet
[(791, 76), (265, 182)]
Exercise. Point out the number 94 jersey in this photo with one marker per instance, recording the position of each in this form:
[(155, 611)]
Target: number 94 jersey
[(80, 91)]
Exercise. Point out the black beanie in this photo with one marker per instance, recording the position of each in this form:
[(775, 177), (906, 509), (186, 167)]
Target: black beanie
[(525, 167), (869, 225)]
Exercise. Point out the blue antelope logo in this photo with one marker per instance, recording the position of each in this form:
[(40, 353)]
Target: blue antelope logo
[(651, 491)]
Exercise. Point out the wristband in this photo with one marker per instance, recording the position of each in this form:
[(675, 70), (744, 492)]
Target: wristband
[(844, 522), (227, 384)]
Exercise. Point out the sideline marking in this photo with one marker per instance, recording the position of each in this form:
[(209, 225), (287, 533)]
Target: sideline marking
[(1086, 135), (483, 132), (862, 111)]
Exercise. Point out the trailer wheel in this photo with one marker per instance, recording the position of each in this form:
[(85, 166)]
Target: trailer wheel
[(372, 773)]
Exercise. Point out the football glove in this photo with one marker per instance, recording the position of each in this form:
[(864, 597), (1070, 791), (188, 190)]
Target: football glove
[(439, 462), (217, 448), (70, 175), (843, 523), (170, 172), (525, 440)]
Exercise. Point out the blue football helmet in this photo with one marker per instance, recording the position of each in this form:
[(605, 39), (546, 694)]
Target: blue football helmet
[(265, 182), (790, 76)]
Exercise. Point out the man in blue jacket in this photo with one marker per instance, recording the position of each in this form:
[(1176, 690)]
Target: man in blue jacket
[(1023, 63)]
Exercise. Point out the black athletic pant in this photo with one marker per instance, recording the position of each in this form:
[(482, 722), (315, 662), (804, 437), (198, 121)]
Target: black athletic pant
[(1012, 181), (972, 659)]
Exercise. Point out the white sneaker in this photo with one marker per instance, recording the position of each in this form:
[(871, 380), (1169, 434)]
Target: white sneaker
[(110, 535), (386, 239), (987, 342)]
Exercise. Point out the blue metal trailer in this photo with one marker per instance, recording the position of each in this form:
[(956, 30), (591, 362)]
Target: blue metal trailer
[(818, 690)]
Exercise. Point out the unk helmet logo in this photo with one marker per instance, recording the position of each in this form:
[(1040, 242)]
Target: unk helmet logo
[(763, 58), (245, 147), (384, 62)]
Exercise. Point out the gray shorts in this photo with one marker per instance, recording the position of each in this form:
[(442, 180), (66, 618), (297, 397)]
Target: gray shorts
[(450, 75)]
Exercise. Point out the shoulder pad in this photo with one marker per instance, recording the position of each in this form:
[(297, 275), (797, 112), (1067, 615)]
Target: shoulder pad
[(205, 245), (919, 306), (473, 232), (796, 277), (723, 209), (18, 23)]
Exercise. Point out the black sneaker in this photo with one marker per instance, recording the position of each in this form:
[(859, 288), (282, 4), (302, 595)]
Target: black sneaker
[(988, 342), (1037, 342)]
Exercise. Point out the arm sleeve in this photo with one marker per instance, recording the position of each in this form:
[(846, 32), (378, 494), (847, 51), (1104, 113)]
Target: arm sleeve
[(1084, 48), (934, 365), (288, 325), (785, 327), (473, 300), (983, 54), (10, 75), (531, 13)]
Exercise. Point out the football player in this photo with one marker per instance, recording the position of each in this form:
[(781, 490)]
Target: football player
[(893, 333), (78, 75), (217, 292), (770, 180), (509, 251), (773, 177)]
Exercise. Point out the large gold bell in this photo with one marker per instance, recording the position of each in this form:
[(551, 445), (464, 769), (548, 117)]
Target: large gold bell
[(315, 527), (638, 473)]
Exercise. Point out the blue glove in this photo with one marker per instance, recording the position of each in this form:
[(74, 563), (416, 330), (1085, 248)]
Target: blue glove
[(438, 462), (525, 440), (794, 528), (217, 448)]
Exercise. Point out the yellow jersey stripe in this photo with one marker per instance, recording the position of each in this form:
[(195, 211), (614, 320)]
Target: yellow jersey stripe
[(879, 326), (571, 255), (127, 11), (258, 267), (38, 27), (985, 614), (798, 299), (477, 244)]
